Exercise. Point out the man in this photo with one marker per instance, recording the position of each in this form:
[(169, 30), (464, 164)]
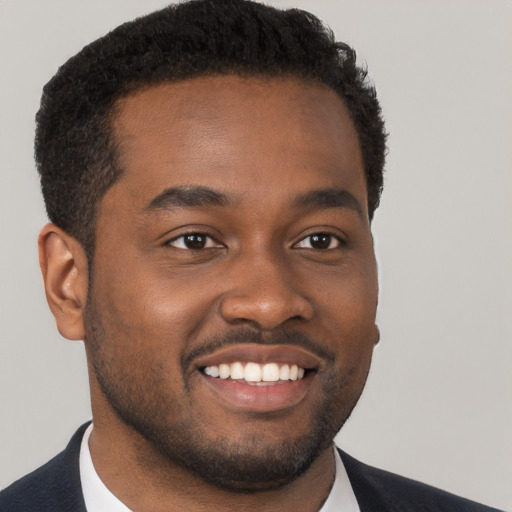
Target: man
[(211, 172)]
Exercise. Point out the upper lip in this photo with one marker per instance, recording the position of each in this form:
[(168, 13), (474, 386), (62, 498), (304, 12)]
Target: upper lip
[(261, 354)]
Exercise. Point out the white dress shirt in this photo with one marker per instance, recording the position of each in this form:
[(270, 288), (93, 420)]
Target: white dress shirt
[(99, 499)]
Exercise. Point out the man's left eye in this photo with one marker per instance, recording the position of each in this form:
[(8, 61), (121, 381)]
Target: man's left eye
[(319, 241), (193, 241)]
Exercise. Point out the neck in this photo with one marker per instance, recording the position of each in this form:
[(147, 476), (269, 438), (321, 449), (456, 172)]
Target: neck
[(143, 479)]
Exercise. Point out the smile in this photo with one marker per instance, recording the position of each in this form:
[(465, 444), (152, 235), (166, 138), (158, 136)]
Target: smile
[(254, 373), (259, 378)]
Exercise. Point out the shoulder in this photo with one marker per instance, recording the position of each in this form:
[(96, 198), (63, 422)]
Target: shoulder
[(53, 487), (380, 490)]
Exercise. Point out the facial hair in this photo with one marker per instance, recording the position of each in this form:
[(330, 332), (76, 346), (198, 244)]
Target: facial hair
[(256, 463)]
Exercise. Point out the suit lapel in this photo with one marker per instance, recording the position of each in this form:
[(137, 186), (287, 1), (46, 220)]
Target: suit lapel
[(369, 497)]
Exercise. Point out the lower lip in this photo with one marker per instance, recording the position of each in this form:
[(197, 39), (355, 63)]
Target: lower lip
[(259, 398)]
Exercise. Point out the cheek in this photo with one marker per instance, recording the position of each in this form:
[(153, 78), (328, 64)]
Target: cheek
[(348, 310), (148, 310)]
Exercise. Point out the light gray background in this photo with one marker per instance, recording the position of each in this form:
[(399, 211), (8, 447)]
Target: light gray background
[(437, 406)]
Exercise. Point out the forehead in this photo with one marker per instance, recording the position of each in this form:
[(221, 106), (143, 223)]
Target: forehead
[(236, 133)]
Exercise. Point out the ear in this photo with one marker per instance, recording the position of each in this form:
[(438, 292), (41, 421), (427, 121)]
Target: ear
[(65, 274), (376, 335)]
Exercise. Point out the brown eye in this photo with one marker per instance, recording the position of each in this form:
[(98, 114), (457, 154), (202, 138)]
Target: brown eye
[(193, 242), (319, 241)]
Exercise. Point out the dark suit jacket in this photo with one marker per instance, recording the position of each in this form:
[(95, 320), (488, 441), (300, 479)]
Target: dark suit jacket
[(55, 487)]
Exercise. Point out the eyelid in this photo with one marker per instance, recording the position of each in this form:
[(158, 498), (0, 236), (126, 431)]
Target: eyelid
[(336, 237), (211, 243)]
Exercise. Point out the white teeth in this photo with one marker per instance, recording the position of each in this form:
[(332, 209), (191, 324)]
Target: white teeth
[(254, 372), (270, 372), (224, 371), (212, 371), (237, 371)]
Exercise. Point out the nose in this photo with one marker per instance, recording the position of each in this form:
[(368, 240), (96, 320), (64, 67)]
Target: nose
[(264, 293)]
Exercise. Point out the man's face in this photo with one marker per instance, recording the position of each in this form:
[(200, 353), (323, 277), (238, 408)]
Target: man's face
[(236, 242)]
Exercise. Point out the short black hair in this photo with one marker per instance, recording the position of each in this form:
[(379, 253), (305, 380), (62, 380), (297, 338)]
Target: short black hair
[(75, 150)]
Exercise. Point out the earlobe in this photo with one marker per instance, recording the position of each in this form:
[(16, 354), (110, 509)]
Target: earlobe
[(377, 335), (65, 274)]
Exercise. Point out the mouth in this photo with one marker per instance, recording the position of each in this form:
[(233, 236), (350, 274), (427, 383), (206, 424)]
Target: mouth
[(259, 378), (256, 374)]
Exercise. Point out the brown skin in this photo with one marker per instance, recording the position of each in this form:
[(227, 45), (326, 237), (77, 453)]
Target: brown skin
[(262, 144)]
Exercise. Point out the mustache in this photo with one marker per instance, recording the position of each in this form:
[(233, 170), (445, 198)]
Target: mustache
[(248, 336)]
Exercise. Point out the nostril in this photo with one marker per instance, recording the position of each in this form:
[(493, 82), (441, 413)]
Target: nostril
[(267, 301)]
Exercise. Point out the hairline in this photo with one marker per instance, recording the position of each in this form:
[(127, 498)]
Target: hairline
[(132, 89)]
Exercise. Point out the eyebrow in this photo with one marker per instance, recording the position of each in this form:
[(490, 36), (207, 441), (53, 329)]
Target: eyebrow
[(187, 197), (329, 198), (196, 196)]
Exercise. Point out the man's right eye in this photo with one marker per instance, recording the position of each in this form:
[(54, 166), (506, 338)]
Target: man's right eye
[(193, 242)]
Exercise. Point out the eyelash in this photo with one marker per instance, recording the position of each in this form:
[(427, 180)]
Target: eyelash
[(210, 242), (321, 234), (208, 239)]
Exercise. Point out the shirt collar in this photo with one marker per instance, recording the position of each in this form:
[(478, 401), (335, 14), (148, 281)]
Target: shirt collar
[(342, 496), (99, 499)]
